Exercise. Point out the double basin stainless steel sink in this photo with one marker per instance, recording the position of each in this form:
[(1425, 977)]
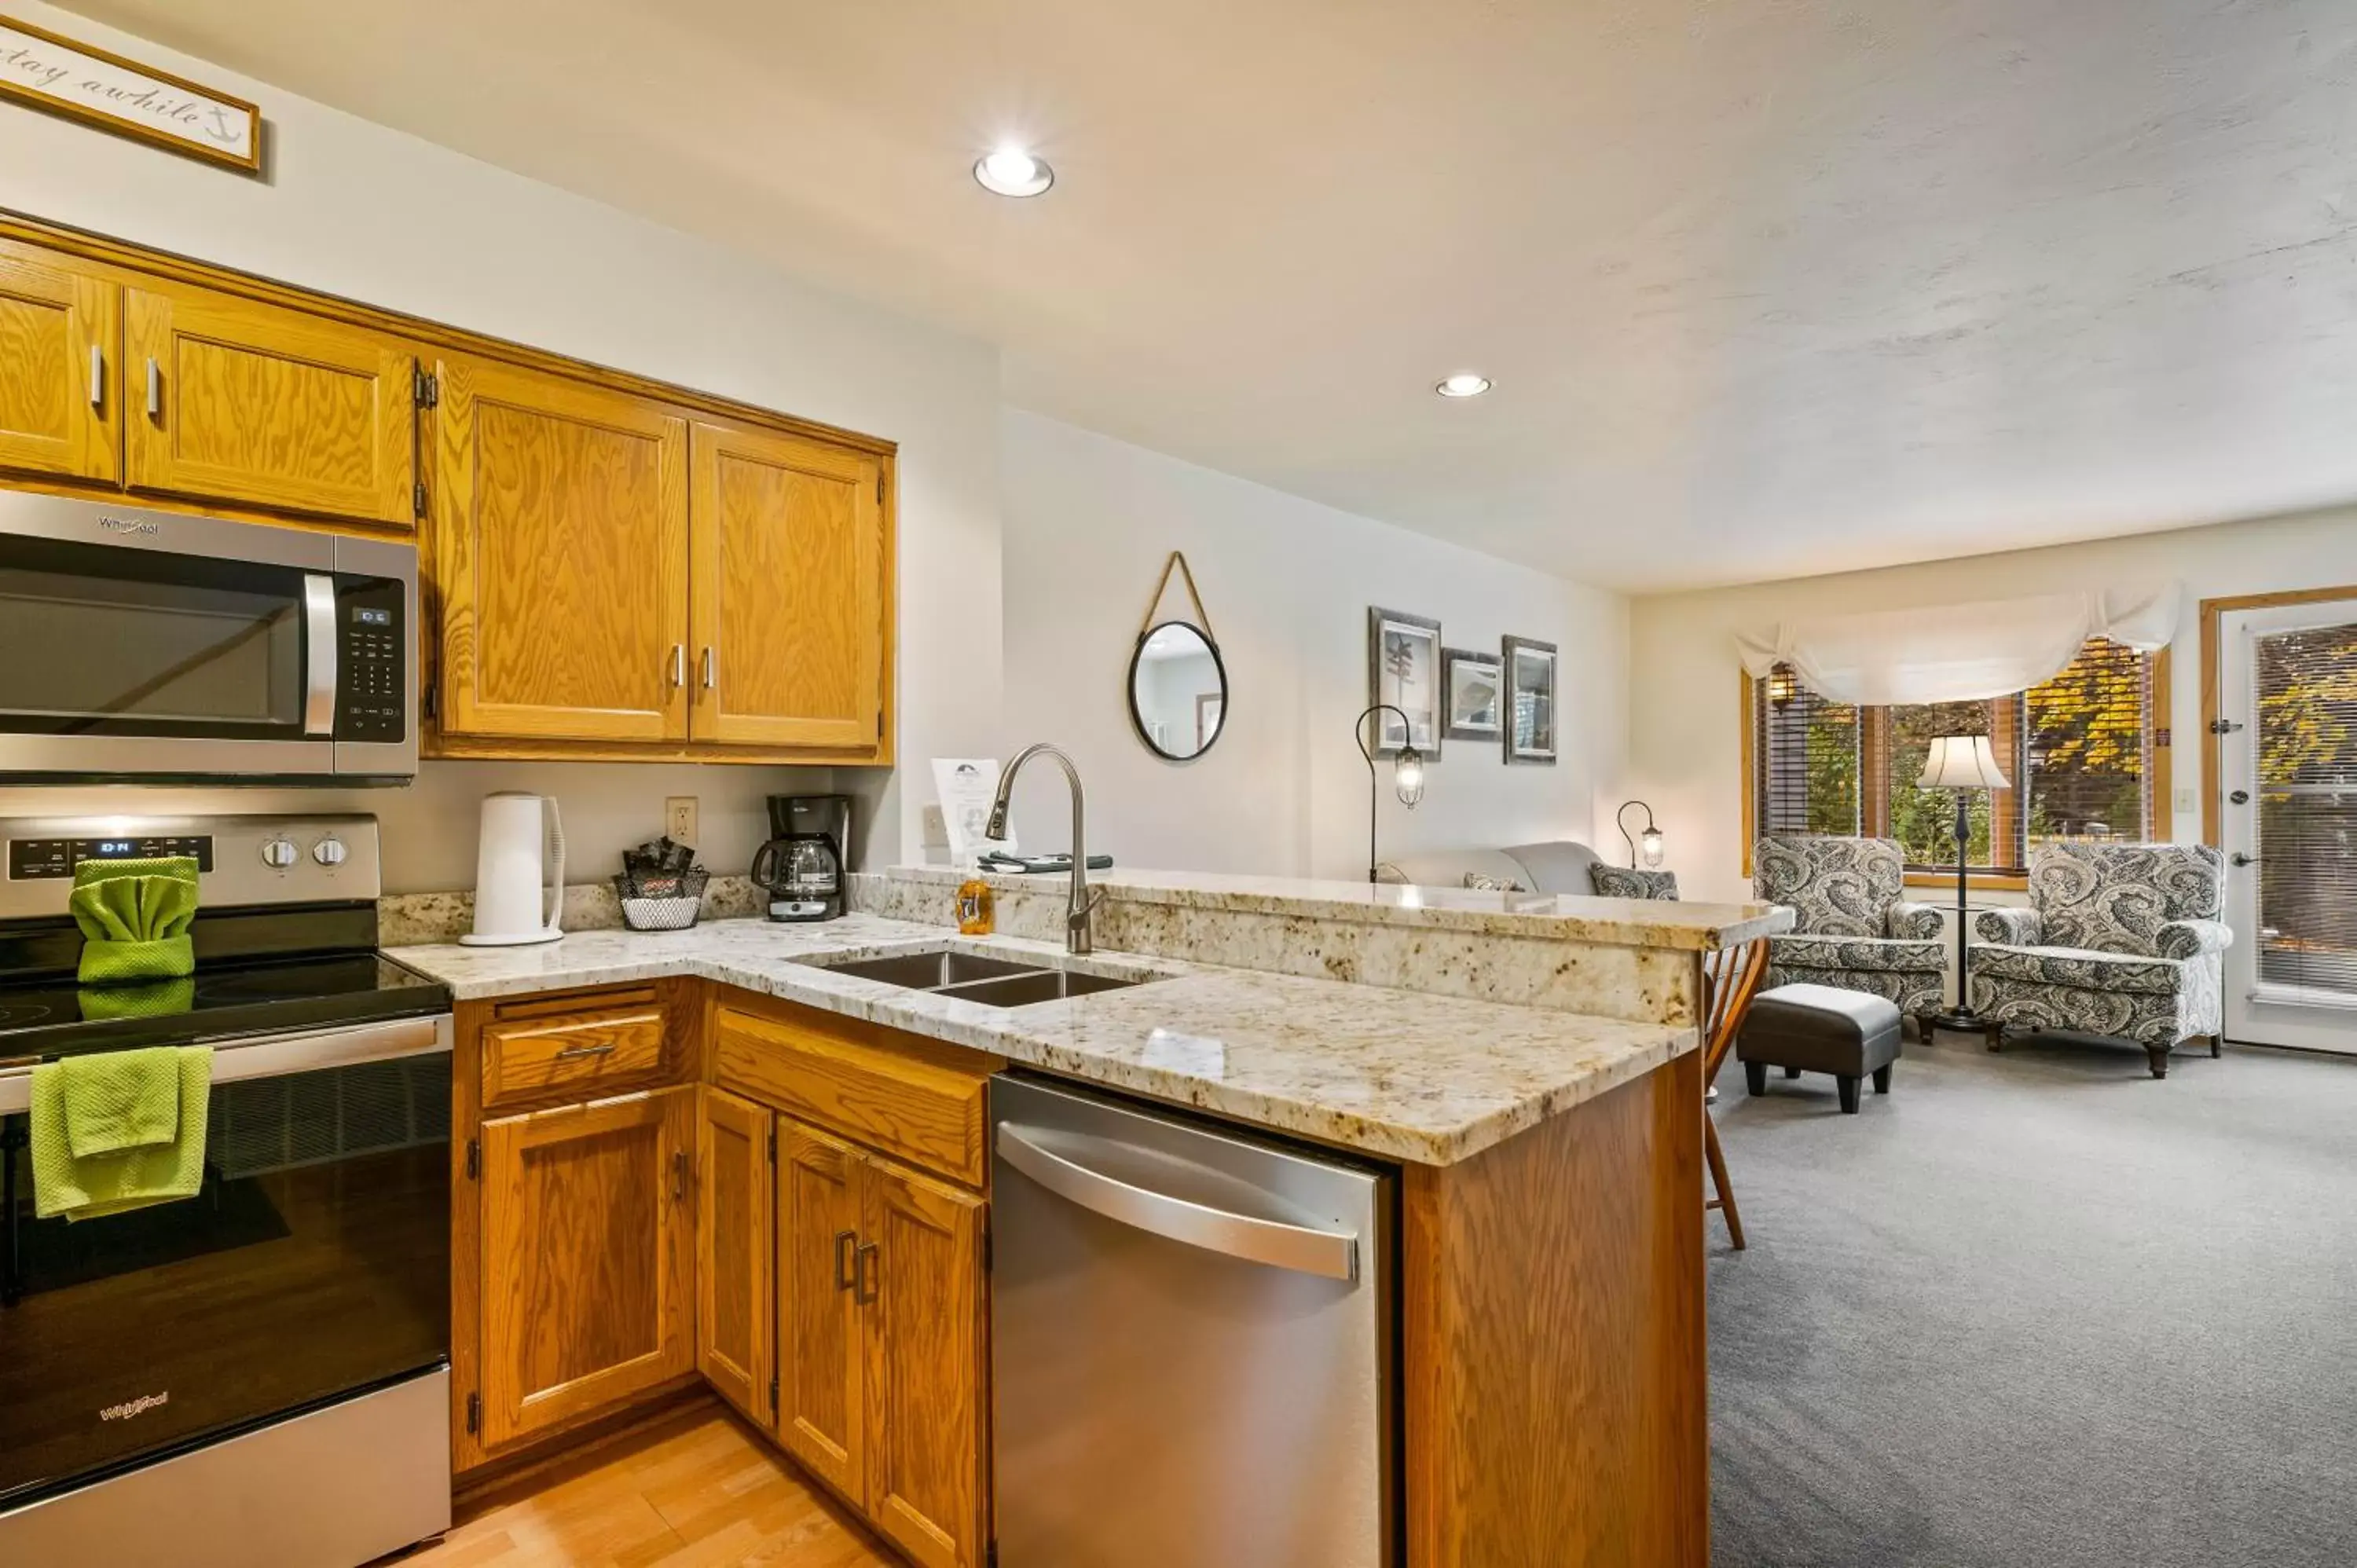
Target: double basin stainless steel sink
[(971, 977)]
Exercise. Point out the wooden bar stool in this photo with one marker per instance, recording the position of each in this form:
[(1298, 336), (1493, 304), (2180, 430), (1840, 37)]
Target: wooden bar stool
[(1730, 979)]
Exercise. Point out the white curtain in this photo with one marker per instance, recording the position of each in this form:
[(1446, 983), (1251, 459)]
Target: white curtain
[(1956, 653)]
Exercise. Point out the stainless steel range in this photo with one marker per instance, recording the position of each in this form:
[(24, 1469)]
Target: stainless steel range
[(258, 1374)]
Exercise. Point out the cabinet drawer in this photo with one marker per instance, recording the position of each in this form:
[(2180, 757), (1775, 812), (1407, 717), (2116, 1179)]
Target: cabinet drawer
[(589, 1053), (914, 1099)]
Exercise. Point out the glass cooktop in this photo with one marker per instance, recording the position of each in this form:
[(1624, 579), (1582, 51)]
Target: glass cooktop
[(52, 1017)]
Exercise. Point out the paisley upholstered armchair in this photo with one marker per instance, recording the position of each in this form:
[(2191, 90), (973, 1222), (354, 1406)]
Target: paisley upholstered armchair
[(1856, 929), (2120, 940)]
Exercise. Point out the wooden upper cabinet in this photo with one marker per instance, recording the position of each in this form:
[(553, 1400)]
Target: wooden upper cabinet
[(561, 558), (588, 1236), (790, 567), (229, 399), (922, 1295), (734, 1300), (821, 1411), (60, 384)]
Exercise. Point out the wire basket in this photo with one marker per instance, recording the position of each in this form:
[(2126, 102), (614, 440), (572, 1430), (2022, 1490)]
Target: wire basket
[(662, 903)]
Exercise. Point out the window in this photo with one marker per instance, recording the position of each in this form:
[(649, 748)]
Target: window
[(2083, 751)]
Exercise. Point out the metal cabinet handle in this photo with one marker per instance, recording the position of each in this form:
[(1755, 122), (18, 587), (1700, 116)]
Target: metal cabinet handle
[(155, 388), (678, 1175), (864, 1292), (710, 676), (1331, 1254), (678, 664), (97, 375), (2240, 859), (569, 1052), (843, 1274)]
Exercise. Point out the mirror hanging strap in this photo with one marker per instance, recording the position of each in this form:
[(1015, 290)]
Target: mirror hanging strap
[(1162, 586)]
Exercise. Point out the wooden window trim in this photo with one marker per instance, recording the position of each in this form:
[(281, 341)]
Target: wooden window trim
[(2213, 612), (2159, 732)]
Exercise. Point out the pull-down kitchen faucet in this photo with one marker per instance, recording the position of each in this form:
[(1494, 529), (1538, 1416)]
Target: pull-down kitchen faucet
[(1077, 936)]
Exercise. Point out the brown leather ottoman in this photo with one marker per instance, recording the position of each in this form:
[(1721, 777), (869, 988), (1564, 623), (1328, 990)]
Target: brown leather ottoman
[(1820, 1028)]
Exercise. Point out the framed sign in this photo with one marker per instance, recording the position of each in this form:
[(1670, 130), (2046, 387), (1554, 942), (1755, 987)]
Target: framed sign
[(84, 82)]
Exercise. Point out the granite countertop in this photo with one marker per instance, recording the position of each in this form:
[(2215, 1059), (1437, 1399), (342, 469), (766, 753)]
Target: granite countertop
[(1422, 1078), (1617, 922)]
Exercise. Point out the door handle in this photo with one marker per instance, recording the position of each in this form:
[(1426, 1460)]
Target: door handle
[(154, 388), (678, 664), (710, 676), (844, 1261), (864, 1291), (1330, 1255), (678, 1175), (97, 375), (318, 653)]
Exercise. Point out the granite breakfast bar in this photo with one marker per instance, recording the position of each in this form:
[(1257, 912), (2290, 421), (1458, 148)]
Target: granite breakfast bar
[(1530, 1068)]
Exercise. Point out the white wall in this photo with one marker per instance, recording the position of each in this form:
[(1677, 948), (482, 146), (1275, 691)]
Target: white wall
[(1686, 728), (1287, 583), (356, 210)]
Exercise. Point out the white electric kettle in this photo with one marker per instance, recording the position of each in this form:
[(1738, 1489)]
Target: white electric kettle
[(522, 835)]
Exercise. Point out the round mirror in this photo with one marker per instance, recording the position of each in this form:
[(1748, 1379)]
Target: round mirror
[(1177, 691)]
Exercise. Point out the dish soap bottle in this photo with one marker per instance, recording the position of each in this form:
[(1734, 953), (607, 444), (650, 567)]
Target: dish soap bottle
[(976, 914)]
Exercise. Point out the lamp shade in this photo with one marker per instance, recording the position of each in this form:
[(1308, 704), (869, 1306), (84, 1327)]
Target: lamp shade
[(1963, 762), (1407, 775)]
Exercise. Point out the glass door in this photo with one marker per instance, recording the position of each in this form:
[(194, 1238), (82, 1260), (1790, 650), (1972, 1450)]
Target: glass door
[(2287, 773)]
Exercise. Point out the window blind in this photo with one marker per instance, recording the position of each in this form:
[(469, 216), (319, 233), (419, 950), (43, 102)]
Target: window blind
[(2077, 750), (2307, 691)]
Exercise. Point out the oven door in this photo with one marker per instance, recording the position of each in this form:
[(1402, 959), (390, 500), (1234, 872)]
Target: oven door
[(314, 1264), (140, 644)]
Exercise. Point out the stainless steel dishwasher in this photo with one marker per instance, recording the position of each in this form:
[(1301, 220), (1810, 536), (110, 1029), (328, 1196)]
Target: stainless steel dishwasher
[(1192, 1335)]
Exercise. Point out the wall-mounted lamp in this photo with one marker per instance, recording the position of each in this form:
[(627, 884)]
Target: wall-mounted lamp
[(1783, 686), (1647, 842), (1407, 774)]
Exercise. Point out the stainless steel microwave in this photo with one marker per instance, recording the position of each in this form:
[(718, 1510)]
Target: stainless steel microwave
[(163, 646)]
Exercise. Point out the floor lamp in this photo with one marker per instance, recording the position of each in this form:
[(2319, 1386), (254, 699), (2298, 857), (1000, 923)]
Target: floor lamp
[(1407, 772), (1962, 763)]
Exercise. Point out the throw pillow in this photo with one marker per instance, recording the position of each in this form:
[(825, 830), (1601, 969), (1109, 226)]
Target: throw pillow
[(1480, 883)]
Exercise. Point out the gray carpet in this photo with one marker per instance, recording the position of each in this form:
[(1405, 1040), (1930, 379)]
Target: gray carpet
[(2040, 1309)]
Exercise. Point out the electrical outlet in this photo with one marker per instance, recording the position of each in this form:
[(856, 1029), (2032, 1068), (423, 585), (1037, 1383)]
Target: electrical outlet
[(936, 828), (2187, 802), (679, 819)]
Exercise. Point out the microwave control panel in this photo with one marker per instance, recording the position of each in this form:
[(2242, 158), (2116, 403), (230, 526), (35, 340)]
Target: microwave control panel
[(372, 686)]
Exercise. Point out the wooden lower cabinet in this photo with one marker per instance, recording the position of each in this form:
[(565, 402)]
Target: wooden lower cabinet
[(588, 1258), (880, 1341), (920, 1286), (734, 1327)]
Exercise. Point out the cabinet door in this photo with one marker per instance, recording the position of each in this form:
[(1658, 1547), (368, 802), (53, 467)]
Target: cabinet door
[(821, 1418), (922, 1295), (734, 1330), (588, 1238), (60, 385), (232, 400), (562, 555), (788, 556)]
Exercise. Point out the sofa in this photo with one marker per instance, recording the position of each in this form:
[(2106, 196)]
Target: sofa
[(1855, 928), (1559, 865), (2122, 941)]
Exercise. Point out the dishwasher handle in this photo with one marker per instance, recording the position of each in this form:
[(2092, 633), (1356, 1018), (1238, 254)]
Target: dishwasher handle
[(1330, 1254)]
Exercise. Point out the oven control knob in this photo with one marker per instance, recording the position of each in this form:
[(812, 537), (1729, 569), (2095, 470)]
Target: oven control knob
[(279, 852), (329, 851)]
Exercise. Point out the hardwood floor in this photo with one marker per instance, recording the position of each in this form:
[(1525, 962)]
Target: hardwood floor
[(695, 1491)]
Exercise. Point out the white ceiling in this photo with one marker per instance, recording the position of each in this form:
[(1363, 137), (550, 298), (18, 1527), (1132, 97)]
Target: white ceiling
[(1768, 286)]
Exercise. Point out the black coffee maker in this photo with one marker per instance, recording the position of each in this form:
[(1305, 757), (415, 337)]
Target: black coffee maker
[(809, 850)]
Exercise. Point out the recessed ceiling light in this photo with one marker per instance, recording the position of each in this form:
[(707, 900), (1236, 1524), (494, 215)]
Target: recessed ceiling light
[(1464, 383), (1011, 171)]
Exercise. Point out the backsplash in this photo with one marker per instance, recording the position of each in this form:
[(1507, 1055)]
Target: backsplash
[(409, 919)]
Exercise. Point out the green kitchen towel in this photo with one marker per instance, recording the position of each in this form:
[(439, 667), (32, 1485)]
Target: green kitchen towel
[(127, 1178), (121, 1100), (134, 916)]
